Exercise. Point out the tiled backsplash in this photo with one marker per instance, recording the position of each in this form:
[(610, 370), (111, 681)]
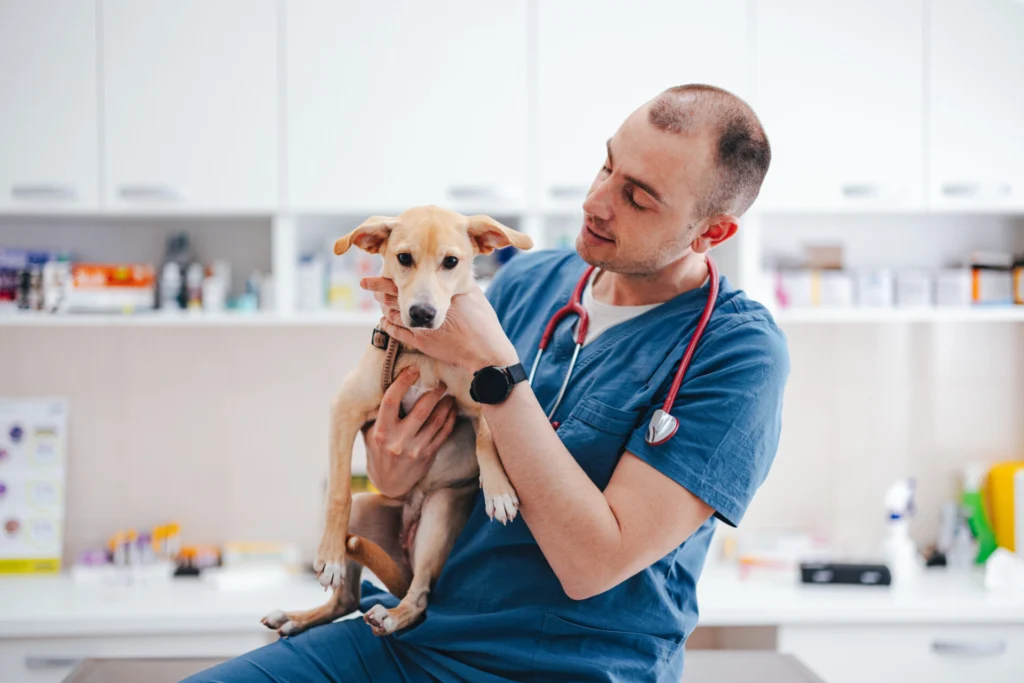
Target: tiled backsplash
[(867, 404), (225, 429)]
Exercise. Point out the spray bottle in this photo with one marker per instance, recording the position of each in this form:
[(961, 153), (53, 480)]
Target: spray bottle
[(901, 554)]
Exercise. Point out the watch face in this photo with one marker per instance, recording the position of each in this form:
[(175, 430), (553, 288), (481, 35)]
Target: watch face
[(491, 385)]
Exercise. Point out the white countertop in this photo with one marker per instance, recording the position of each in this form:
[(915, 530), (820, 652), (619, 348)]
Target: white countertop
[(937, 597), (57, 606)]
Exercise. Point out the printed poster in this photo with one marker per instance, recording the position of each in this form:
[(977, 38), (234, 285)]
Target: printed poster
[(33, 454)]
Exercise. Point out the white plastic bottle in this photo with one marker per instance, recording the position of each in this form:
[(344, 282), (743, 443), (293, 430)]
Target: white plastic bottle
[(170, 287), (901, 556)]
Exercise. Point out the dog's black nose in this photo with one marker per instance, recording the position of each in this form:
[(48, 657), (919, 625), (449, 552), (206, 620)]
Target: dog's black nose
[(422, 315)]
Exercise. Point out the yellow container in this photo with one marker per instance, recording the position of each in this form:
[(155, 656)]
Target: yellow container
[(1001, 502)]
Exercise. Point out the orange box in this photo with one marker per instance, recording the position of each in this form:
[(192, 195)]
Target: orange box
[(92, 275), (120, 288)]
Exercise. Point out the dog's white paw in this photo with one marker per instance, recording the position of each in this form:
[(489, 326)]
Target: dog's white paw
[(275, 619), (380, 620), (278, 620), (330, 574), (501, 505)]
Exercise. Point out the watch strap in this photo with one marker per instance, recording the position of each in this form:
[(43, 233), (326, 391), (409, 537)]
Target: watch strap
[(517, 373)]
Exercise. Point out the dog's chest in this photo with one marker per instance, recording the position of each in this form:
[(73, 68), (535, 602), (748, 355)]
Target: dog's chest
[(412, 395)]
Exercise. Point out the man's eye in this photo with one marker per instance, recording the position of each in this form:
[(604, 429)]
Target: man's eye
[(605, 169), (629, 196), (450, 262), (405, 259)]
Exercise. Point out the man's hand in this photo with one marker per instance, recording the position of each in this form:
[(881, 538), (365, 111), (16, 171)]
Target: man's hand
[(471, 336), (400, 451)]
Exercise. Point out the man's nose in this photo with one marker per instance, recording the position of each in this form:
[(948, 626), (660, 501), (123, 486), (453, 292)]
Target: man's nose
[(598, 202), (422, 315)]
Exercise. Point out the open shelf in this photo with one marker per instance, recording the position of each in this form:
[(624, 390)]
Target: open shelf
[(256, 319), (915, 315)]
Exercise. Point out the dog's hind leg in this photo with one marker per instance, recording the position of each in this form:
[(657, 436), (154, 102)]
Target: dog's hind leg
[(444, 515), (374, 518)]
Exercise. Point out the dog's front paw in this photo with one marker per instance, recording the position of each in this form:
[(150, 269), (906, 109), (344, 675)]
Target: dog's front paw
[(500, 500), (330, 562), (380, 620)]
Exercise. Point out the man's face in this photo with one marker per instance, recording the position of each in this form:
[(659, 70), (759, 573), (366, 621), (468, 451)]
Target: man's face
[(640, 212)]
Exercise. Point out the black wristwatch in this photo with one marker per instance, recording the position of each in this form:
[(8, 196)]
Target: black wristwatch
[(492, 385)]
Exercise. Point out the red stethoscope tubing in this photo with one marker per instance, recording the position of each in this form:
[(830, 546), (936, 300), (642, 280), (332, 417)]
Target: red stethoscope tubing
[(663, 426), (684, 364), (575, 305)]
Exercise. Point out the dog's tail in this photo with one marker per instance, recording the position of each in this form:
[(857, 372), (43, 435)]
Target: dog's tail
[(374, 558)]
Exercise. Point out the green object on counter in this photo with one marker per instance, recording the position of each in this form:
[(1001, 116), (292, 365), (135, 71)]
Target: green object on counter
[(974, 512)]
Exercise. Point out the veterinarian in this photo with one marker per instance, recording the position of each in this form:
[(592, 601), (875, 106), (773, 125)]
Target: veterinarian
[(597, 579)]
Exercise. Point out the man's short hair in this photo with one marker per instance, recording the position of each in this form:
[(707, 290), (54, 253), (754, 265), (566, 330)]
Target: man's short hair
[(742, 152)]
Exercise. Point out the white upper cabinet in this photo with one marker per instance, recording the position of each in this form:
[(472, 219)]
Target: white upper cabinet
[(190, 105), (840, 95), (599, 60), (976, 105), (48, 126), (388, 108)]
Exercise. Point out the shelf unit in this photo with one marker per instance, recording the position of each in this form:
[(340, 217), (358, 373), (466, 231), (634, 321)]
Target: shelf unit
[(994, 314), (157, 319), (274, 243)]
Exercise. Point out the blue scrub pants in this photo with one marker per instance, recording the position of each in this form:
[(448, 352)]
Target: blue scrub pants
[(345, 651)]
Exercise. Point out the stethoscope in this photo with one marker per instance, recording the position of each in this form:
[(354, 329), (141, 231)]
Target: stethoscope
[(663, 425)]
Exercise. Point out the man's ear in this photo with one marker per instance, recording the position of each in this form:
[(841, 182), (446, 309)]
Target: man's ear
[(369, 236), (718, 229), (488, 234)]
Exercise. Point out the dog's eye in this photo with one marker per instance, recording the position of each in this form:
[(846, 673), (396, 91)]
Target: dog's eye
[(405, 259), (450, 262)]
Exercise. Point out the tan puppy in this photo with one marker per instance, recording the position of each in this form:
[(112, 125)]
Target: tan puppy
[(428, 252)]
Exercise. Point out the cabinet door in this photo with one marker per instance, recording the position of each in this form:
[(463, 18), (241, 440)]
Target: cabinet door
[(937, 653), (976, 105), (599, 60), (387, 109), (840, 93), (190, 104), (48, 126)]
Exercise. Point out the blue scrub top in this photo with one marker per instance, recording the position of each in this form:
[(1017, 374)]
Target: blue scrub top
[(498, 612)]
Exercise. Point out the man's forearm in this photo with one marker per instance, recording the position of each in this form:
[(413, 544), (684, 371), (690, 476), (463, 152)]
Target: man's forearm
[(568, 515)]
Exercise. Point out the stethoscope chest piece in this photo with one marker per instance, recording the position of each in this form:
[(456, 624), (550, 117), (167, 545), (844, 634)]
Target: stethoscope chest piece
[(662, 428)]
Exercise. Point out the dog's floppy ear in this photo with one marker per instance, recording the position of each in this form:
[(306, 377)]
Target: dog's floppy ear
[(488, 234), (369, 236)]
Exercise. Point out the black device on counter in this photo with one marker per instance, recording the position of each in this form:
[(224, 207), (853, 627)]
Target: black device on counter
[(841, 573)]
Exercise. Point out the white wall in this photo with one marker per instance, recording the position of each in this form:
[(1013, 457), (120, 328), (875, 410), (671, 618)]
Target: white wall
[(225, 429), (867, 404)]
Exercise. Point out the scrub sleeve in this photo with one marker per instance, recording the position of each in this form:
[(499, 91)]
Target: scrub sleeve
[(729, 411)]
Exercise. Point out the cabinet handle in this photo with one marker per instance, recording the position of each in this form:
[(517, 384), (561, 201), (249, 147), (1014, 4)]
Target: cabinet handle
[(987, 648), (149, 193), (40, 663), (473, 192), (861, 191), (43, 192), (960, 189), (564, 192)]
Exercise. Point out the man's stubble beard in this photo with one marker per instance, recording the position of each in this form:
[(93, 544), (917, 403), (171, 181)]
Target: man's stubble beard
[(646, 266)]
